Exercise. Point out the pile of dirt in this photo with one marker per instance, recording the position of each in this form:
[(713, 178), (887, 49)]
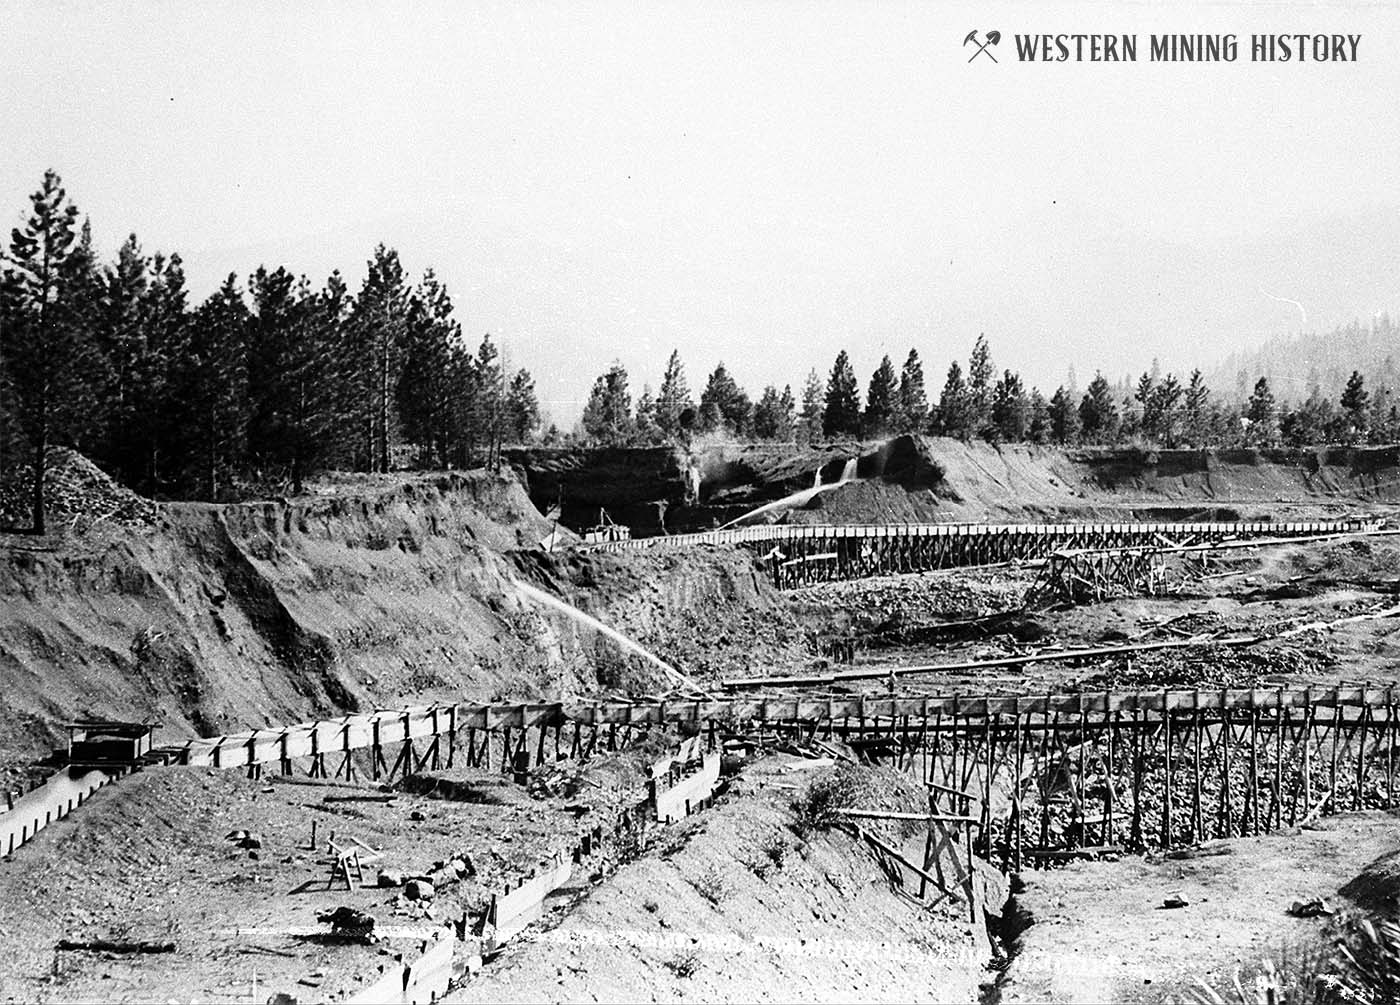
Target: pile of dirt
[(78, 495), (735, 906)]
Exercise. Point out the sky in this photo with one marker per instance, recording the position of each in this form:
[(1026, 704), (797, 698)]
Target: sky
[(759, 183)]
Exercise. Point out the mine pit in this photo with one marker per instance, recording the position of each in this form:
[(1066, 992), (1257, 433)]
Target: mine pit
[(1123, 753)]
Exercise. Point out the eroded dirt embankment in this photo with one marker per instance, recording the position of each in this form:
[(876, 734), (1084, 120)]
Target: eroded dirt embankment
[(220, 617), (908, 479), (738, 903)]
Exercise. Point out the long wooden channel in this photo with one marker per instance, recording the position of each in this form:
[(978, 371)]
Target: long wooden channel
[(1051, 773), (802, 554)]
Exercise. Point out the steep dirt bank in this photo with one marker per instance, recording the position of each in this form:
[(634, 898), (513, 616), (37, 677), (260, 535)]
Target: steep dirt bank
[(735, 906), (935, 479), (220, 617), (656, 490)]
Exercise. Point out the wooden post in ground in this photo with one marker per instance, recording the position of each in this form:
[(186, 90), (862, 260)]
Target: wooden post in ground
[(1137, 778), (1260, 822), (1111, 786), (1016, 790), (1167, 751), (1336, 736), (1364, 720), (1197, 824), (1226, 737), (1390, 746), (1308, 734)]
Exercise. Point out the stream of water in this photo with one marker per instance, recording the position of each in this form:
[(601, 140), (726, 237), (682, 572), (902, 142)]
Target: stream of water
[(798, 498), (572, 612)]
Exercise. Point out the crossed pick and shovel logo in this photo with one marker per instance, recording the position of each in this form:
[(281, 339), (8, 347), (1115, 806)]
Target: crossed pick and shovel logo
[(983, 48)]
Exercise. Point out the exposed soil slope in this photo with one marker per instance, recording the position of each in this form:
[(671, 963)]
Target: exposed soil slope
[(219, 617), (735, 907), (909, 478)]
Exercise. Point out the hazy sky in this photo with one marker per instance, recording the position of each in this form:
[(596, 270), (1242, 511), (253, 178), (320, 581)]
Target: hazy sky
[(762, 183)]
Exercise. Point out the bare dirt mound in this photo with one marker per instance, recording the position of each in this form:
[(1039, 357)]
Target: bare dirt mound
[(78, 495), (734, 906)]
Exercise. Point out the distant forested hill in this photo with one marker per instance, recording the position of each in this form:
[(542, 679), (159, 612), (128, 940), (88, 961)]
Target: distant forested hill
[(1295, 364)]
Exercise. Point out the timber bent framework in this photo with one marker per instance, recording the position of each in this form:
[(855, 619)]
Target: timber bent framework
[(1053, 776), (803, 554)]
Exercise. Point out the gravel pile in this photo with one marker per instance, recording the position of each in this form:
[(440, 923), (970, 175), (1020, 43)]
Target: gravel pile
[(78, 495)]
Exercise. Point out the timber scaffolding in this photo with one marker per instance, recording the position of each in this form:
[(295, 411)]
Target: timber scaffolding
[(1054, 776), (803, 554)]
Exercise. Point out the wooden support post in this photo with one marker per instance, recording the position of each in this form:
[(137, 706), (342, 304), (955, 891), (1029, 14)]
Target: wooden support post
[(1336, 738), (1137, 779), (1254, 764), (1389, 746), (989, 729), (1110, 771), (1167, 752), (1278, 763), (1364, 719), (1308, 733), (1226, 738), (1015, 821), (1197, 825)]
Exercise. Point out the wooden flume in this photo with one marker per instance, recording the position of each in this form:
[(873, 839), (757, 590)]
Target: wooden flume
[(1051, 773), (802, 554)]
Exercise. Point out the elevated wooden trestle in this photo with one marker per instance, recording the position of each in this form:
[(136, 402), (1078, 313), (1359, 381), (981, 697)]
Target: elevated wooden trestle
[(1053, 774), (803, 554)]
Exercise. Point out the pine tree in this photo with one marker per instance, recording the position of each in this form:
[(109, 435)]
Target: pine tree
[(881, 401), (1146, 386), (165, 318), (1038, 431), (120, 335), (1195, 413), (811, 420), (213, 391), (645, 428), (378, 326), (425, 392), (1262, 415), (1098, 413), (607, 417), (1064, 417), (913, 401), (1010, 409), (954, 418), (487, 396), (522, 407), (979, 388), (787, 411), (773, 415), (727, 402), (841, 414), (1355, 403), (674, 397), (45, 351)]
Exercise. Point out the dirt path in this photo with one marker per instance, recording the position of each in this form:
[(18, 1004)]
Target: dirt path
[(1100, 931)]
